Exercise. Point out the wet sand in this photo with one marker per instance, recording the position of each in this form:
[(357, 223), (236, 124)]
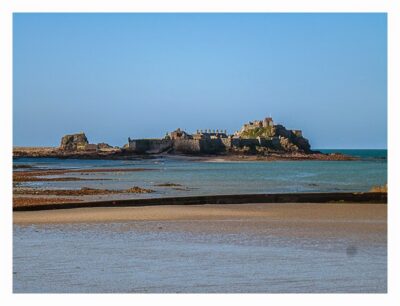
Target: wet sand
[(366, 221), (260, 248)]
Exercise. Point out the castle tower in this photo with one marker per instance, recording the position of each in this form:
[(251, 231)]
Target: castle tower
[(268, 122)]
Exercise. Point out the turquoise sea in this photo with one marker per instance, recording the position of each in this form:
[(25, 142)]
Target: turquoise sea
[(199, 178)]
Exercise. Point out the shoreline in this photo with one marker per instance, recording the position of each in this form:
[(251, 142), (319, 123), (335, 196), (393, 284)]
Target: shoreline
[(121, 154)]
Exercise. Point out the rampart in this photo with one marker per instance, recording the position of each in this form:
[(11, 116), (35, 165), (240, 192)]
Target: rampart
[(200, 146), (150, 145), (187, 146), (190, 146)]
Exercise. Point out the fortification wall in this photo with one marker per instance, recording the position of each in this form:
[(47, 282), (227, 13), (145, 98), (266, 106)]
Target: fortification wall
[(190, 146), (150, 145), (212, 146), (208, 146), (235, 142), (187, 146), (227, 143)]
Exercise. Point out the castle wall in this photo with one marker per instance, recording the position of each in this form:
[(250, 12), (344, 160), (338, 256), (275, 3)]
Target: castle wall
[(212, 146), (208, 146), (150, 145), (235, 142), (192, 146), (227, 143), (187, 145)]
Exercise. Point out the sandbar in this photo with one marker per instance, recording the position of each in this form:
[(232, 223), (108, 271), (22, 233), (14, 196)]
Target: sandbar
[(367, 222)]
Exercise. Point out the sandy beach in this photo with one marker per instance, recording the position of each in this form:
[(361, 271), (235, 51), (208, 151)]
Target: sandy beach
[(366, 221), (203, 248)]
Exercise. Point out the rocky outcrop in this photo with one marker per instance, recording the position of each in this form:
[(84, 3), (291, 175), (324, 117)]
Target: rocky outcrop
[(275, 137), (287, 145), (383, 189), (74, 142), (103, 145), (302, 143)]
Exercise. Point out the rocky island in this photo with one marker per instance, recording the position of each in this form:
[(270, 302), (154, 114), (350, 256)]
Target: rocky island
[(256, 140)]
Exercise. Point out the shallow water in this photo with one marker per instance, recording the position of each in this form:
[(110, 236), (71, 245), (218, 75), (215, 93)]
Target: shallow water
[(148, 257), (202, 178), (151, 257)]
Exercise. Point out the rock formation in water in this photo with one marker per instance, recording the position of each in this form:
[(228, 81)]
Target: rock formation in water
[(74, 142), (79, 142)]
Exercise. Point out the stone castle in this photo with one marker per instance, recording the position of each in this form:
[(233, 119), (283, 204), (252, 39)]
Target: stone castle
[(258, 137)]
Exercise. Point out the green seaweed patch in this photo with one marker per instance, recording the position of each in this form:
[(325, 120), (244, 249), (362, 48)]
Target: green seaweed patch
[(258, 132)]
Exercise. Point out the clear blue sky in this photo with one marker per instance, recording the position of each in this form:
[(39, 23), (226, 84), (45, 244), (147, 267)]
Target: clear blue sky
[(141, 75)]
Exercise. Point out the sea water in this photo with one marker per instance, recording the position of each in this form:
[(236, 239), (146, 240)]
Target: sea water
[(207, 178), (104, 258), (120, 258)]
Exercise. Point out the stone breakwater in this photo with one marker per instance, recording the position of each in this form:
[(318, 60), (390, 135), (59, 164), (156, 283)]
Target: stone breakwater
[(329, 197)]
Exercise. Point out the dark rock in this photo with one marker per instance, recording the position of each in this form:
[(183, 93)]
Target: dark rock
[(74, 142), (104, 145), (287, 145)]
